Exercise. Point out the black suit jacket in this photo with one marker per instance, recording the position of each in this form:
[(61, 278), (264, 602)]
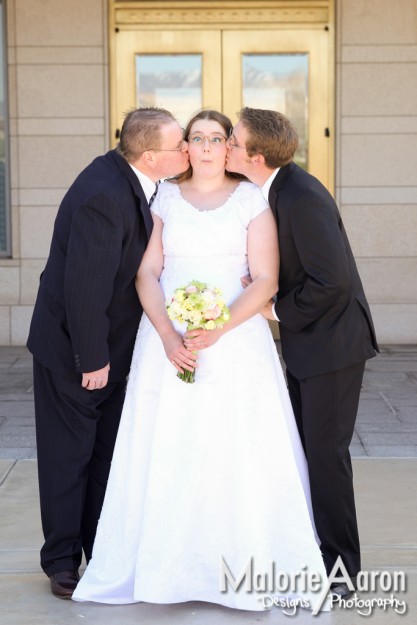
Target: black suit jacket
[(325, 321), (87, 310)]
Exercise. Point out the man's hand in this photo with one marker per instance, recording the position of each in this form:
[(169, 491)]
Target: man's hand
[(96, 379), (245, 281)]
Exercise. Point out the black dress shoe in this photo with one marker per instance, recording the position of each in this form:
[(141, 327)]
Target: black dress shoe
[(63, 584), (342, 590)]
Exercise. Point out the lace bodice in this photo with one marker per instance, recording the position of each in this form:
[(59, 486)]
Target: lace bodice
[(209, 246)]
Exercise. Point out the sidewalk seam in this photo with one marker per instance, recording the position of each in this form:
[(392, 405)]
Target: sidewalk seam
[(6, 475)]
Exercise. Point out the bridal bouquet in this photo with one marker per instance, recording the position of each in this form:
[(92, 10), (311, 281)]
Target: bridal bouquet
[(199, 306)]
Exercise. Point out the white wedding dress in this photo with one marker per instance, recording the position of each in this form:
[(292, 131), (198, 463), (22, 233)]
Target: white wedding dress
[(208, 472)]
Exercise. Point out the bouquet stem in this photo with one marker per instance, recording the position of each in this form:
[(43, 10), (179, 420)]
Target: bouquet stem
[(187, 376)]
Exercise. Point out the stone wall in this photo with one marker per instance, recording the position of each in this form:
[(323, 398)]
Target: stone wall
[(59, 94), (376, 154)]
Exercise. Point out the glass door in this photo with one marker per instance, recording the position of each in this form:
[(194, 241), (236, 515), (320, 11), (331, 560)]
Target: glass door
[(186, 70), (177, 70), (285, 71)]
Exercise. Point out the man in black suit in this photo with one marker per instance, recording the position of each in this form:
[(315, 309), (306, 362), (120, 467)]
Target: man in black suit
[(83, 330), (326, 328)]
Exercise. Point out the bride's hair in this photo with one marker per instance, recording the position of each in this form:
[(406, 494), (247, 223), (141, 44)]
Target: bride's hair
[(227, 126)]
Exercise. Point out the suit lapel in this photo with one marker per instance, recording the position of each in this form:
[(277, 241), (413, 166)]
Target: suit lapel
[(128, 172), (278, 183)]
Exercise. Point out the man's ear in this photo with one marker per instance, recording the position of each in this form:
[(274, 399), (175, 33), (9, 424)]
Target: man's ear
[(146, 163), (258, 160), (148, 157)]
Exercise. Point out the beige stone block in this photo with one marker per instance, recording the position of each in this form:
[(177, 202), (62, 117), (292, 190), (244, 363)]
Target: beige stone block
[(12, 126), (59, 22), (12, 90), (338, 122), (337, 196), (372, 160), (379, 54), (11, 24), (9, 285), (105, 33), (378, 195), (54, 162), (60, 90), (395, 323), (36, 227), (14, 162), (29, 279), (61, 126), (379, 89), (378, 21), (59, 55), (381, 230), (4, 325), (15, 228), (389, 280), (11, 55), (20, 322), (14, 196), (378, 125), (42, 197)]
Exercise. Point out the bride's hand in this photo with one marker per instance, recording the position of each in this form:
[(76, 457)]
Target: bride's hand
[(201, 339), (178, 354)]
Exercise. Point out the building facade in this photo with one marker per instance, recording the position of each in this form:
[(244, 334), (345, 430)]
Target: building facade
[(350, 82)]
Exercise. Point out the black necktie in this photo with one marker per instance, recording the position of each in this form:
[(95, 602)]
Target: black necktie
[(153, 196)]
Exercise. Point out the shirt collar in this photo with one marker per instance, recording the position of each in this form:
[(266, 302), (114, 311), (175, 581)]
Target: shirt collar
[(267, 185), (148, 185)]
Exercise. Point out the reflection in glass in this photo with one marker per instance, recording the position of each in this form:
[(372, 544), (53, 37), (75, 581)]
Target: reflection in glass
[(279, 82), (3, 142), (172, 81)]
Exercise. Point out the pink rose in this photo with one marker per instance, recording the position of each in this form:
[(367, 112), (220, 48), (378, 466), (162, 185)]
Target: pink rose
[(213, 313)]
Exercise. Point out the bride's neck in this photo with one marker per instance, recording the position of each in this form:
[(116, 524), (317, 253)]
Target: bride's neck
[(207, 194), (207, 185)]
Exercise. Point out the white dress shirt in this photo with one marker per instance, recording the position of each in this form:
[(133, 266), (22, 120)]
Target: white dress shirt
[(265, 192), (148, 185), (267, 185)]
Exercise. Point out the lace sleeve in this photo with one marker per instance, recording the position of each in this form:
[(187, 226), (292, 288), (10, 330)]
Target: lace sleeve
[(252, 202), (157, 208), (258, 202), (163, 199)]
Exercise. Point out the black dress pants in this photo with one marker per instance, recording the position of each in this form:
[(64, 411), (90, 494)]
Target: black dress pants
[(325, 408), (76, 431)]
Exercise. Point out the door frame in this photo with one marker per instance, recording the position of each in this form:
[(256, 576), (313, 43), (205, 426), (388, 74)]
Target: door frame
[(274, 15)]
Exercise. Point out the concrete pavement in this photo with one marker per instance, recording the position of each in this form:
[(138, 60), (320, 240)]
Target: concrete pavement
[(386, 424), (385, 467)]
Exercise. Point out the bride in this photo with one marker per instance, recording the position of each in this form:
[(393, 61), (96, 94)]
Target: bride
[(209, 483)]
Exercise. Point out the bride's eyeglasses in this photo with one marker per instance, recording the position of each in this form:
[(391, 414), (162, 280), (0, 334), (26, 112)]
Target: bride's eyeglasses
[(212, 139)]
